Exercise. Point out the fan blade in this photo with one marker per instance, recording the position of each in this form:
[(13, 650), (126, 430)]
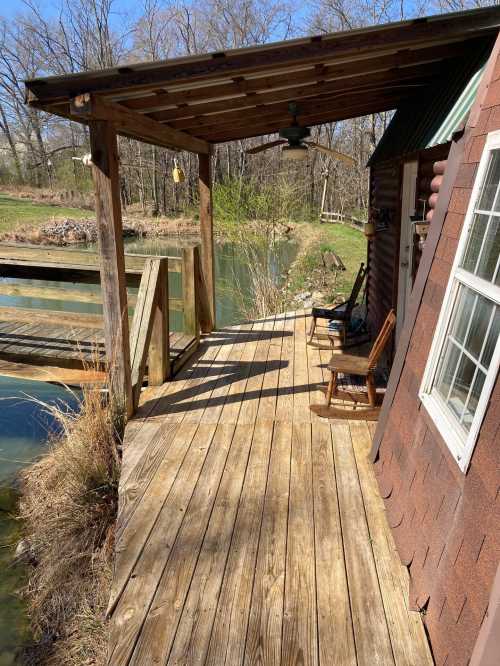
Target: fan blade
[(332, 153), (265, 146)]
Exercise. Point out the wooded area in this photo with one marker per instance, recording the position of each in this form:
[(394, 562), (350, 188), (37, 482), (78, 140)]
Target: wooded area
[(36, 148)]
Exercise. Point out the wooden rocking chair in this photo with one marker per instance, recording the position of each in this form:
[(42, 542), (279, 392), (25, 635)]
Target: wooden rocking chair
[(361, 366), (340, 313)]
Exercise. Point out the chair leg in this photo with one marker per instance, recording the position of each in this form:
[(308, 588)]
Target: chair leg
[(371, 389), (312, 329), (332, 388)]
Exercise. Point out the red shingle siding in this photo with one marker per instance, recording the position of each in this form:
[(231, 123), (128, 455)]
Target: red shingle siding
[(445, 523)]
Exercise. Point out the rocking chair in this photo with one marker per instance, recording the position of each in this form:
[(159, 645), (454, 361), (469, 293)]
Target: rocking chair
[(361, 366), (340, 313)]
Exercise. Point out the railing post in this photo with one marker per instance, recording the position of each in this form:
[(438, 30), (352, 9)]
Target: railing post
[(105, 174), (159, 346), (189, 292), (203, 310), (207, 228)]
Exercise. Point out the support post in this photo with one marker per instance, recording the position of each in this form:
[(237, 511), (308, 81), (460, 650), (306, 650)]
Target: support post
[(105, 174), (159, 347), (189, 292), (206, 228)]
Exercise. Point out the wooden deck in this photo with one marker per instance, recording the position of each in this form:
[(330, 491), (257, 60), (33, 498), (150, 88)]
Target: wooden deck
[(249, 530), (68, 354)]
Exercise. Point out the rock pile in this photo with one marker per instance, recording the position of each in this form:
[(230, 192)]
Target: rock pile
[(68, 231)]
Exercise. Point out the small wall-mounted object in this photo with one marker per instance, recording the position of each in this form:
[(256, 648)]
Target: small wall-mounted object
[(369, 230), (421, 229), (178, 173)]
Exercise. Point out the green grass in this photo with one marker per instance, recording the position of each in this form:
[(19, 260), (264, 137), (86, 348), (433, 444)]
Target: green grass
[(348, 243), (16, 212)]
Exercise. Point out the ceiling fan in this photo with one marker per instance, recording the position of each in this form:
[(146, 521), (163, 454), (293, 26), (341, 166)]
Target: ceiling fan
[(294, 146)]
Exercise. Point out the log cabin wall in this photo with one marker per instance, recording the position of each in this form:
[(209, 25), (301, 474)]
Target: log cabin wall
[(383, 249), (445, 523), (426, 159)]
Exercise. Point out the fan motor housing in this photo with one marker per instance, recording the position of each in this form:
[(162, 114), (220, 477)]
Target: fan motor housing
[(294, 134)]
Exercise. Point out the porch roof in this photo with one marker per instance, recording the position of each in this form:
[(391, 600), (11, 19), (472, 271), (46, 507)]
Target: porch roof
[(190, 102)]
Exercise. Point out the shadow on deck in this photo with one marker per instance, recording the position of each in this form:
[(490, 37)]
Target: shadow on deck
[(249, 530)]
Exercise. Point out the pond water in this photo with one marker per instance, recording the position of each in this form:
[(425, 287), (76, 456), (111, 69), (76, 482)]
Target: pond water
[(24, 424)]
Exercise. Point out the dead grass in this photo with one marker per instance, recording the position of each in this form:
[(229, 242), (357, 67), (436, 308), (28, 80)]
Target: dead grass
[(68, 507)]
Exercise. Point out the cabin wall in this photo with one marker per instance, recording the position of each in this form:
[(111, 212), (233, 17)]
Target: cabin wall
[(445, 523), (383, 249)]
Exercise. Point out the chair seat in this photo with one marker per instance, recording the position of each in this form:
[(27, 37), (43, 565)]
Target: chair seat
[(338, 313), (349, 364)]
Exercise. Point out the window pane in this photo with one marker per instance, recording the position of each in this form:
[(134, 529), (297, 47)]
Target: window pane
[(446, 369), (475, 394), (487, 196), (479, 327), (491, 249), (492, 339), (461, 385), (474, 242), (462, 313)]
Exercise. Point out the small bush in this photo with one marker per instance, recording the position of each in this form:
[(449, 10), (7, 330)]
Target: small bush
[(68, 506)]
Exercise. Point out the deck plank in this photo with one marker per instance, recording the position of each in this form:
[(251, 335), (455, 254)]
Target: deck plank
[(371, 634), (227, 644), (248, 532), (299, 642), (263, 641)]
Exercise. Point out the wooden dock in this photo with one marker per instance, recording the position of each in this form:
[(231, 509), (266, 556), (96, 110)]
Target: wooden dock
[(249, 530), (43, 343)]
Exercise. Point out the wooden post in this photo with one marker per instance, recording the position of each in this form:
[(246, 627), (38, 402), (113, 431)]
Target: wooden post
[(189, 292), (203, 311), (159, 347), (104, 151), (206, 228)]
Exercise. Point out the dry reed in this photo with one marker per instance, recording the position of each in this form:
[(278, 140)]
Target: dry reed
[(68, 507)]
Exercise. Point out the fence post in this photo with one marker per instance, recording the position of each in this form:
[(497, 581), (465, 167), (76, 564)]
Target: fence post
[(159, 346), (189, 292), (203, 309)]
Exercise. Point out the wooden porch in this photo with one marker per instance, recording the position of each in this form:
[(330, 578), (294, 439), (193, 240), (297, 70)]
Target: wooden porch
[(249, 530)]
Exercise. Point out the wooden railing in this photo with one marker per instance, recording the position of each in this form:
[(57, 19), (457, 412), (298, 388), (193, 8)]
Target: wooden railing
[(149, 328), (340, 218)]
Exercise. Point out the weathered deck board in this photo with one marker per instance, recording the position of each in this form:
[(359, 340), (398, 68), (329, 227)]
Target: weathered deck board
[(62, 348), (251, 532)]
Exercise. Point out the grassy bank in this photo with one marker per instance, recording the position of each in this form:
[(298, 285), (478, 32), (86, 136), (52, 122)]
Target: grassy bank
[(308, 273), (15, 212)]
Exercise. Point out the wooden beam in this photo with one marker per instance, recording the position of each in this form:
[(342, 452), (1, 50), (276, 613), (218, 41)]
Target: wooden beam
[(423, 73), (45, 316), (191, 326), (207, 229), (315, 74), (90, 107), (239, 62), (203, 307), (142, 324), (104, 152), (248, 130), (314, 104), (159, 346)]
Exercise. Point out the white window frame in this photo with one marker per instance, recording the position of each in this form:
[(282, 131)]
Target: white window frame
[(460, 444)]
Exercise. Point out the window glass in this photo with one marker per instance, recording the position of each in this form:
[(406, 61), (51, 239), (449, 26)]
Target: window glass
[(490, 186)]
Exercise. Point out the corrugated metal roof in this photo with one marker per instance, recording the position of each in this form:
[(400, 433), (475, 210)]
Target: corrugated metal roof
[(415, 126), (459, 112)]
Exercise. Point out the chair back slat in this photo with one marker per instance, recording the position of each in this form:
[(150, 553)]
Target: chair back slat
[(358, 283), (382, 339)]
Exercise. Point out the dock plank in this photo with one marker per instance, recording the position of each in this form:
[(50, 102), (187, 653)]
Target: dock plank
[(248, 532)]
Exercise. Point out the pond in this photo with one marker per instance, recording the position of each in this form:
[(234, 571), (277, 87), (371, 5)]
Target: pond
[(24, 424)]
